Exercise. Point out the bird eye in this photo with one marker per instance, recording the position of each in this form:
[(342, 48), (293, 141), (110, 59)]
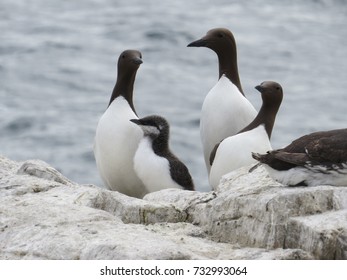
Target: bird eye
[(123, 56), (220, 35)]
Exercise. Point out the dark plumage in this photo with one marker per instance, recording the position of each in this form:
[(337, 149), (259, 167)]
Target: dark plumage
[(128, 63), (225, 110), (158, 130), (235, 151), (222, 42), (322, 152), (116, 139), (272, 95)]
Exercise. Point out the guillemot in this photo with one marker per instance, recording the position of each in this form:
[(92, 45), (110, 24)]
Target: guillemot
[(116, 138), (319, 158), (154, 163), (236, 151), (225, 110)]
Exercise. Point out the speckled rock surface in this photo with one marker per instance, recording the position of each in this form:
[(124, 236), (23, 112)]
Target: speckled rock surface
[(44, 215)]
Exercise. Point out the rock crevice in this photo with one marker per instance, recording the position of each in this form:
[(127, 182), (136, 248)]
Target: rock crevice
[(44, 215)]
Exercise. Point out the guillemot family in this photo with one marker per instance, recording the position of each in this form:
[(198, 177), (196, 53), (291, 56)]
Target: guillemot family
[(225, 110), (154, 163), (117, 138), (236, 151), (319, 158)]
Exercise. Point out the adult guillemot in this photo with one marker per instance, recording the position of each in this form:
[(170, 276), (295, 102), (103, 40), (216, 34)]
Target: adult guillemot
[(154, 163), (225, 110), (319, 158), (236, 151), (116, 138)]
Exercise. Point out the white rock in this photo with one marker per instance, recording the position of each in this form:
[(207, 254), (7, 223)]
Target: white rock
[(252, 210), (43, 215), (327, 232)]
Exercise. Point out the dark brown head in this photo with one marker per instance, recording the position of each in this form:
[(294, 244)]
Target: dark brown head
[(272, 95), (128, 63), (222, 42), (216, 39)]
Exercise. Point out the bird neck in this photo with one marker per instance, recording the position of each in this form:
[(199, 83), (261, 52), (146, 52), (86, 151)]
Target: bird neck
[(227, 60), (124, 87), (160, 145), (266, 117)]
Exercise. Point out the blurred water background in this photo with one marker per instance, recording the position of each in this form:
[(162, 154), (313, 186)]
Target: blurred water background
[(58, 68)]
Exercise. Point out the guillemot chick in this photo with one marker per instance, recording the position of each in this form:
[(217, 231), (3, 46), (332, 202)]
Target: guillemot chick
[(116, 138), (225, 110), (154, 163), (319, 158), (236, 151)]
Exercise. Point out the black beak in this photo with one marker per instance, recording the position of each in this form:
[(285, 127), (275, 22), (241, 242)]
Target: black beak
[(137, 61), (136, 121), (198, 43), (259, 88)]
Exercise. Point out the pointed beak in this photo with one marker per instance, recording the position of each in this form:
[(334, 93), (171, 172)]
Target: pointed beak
[(259, 88), (137, 61), (198, 43), (136, 121)]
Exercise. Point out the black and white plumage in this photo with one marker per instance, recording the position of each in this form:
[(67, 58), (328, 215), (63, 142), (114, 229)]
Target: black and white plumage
[(225, 110), (235, 151), (154, 163), (319, 158), (116, 138)]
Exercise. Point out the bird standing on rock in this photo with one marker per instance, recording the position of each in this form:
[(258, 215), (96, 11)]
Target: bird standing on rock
[(154, 163), (117, 138), (236, 151), (225, 110)]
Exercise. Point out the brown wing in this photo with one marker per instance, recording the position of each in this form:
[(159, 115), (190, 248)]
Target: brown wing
[(324, 147), (292, 158), (276, 159), (299, 145), (330, 149)]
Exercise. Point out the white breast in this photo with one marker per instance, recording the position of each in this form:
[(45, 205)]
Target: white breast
[(225, 112), (116, 141), (311, 175), (236, 151), (153, 170)]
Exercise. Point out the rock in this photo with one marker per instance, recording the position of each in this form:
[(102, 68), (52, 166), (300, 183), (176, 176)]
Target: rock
[(327, 232), (44, 215), (259, 212)]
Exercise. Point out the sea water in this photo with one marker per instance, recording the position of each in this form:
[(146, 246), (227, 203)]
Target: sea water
[(58, 66)]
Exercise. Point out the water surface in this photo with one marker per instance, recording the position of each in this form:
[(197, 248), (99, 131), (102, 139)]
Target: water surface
[(58, 68)]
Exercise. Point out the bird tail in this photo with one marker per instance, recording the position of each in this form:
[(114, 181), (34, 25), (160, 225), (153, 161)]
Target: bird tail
[(257, 156)]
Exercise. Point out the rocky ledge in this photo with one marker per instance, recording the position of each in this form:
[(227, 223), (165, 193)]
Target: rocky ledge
[(44, 215)]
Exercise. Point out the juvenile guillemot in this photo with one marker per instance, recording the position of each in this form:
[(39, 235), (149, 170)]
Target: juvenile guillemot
[(154, 163), (225, 110), (319, 158), (236, 151), (116, 138)]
